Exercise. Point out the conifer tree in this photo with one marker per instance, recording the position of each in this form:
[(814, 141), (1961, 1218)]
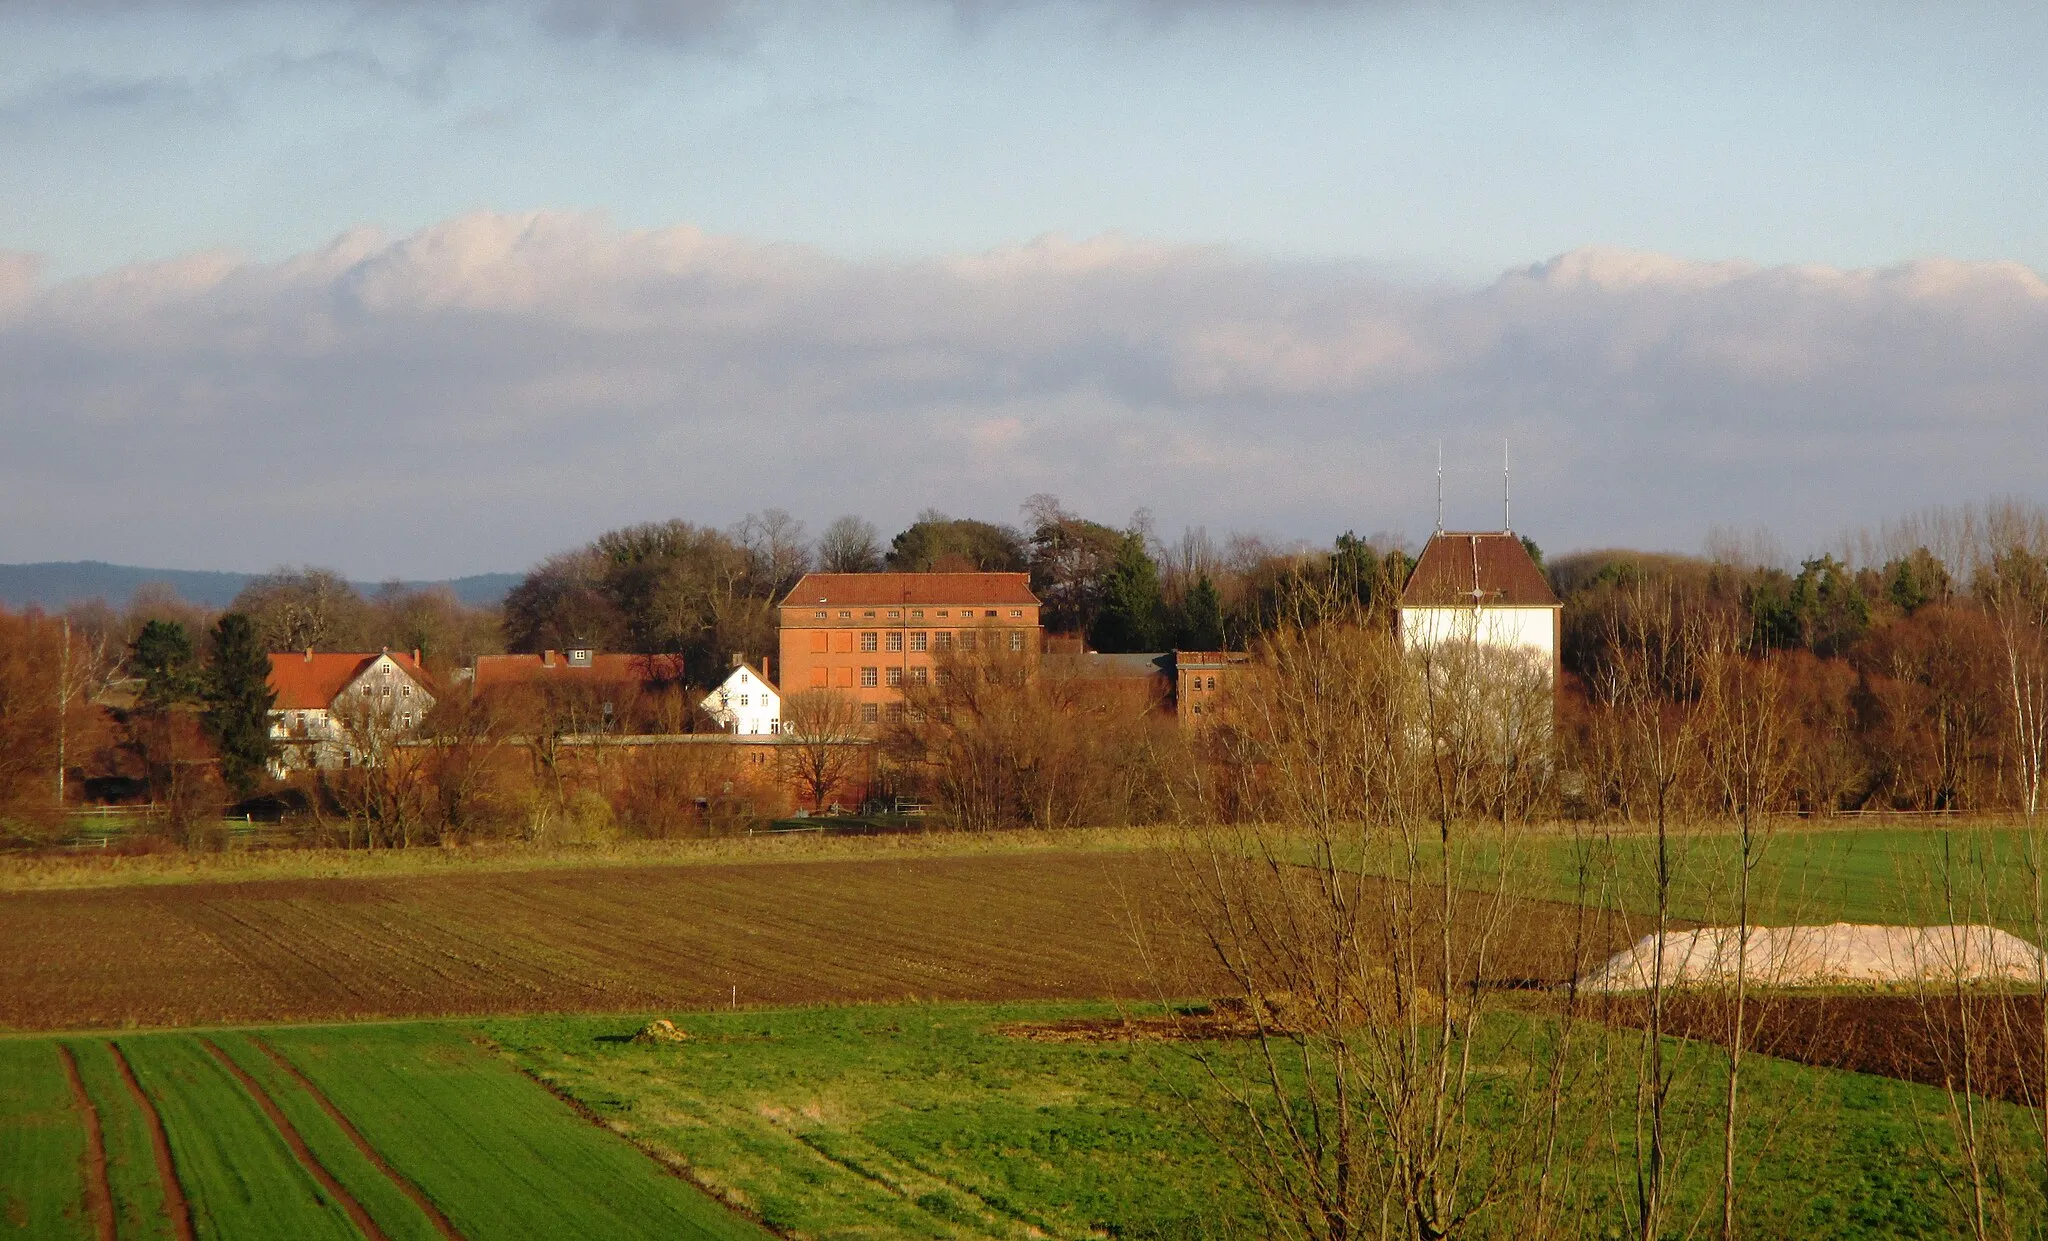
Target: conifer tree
[(238, 702), (1131, 606), (161, 656)]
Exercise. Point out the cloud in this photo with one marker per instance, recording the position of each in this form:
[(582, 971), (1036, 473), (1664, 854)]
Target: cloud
[(482, 391)]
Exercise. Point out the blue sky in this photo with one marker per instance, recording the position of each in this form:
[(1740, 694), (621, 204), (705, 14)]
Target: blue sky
[(1316, 176)]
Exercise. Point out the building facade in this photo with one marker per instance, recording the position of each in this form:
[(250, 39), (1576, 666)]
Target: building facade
[(340, 709), (745, 704), (872, 636)]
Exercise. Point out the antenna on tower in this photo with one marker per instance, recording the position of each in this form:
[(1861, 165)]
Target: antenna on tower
[(1507, 526), (1439, 486)]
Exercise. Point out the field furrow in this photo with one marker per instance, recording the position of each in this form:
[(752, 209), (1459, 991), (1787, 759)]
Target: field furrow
[(240, 1175), (99, 1198), (177, 1206)]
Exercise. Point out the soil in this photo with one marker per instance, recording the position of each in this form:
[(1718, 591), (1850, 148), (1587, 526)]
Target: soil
[(99, 1195), (1909, 1037)]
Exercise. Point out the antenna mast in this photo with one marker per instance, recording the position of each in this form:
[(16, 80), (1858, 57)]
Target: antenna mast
[(1507, 526), (1439, 486)]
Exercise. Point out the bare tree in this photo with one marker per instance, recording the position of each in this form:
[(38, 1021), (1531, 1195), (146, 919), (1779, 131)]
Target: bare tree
[(1360, 928), (822, 740), (1650, 683), (850, 545), (1749, 758)]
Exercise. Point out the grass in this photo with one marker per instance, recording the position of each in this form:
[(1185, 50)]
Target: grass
[(1807, 874), (239, 1176), (850, 1123), (499, 1155), (384, 1200), (926, 1122), (42, 1146), (139, 1209)]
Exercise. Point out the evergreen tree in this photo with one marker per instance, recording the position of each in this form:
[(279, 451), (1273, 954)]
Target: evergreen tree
[(1199, 627), (1131, 607), (162, 656), (238, 701)]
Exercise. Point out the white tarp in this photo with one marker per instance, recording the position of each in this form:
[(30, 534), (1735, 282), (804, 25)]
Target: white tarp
[(1842, 954)]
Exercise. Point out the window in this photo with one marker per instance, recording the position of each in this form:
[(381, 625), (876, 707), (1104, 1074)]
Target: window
[(846, 616), (895, 677), (406, 690), (817, 616), (895, 641), (869, 677), (895, 614), (1017, 613), (1198, 708), (1017, 640), (405, 720), (1212, 682), (895, 713), (991, 613), (942, 641), (966, 639), (917, 641), (869, 614), (942, 611), (743, 700), (743, 678), (918, 676), (867, 642), (917, 613), (870, 712)]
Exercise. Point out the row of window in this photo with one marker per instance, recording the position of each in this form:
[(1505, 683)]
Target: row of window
[(872, 713), (917, 614), (921, 641)]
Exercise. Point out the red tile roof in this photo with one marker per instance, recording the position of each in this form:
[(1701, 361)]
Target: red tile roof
[(867, 590), (1491, 568), (311, 681), (493, 671)]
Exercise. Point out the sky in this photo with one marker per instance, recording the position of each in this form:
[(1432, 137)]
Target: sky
[(429, 287)]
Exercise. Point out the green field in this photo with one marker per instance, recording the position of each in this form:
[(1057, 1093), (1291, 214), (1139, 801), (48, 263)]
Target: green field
[(1910, 875), (920, 1121), (454, 1134), (927, 1122)]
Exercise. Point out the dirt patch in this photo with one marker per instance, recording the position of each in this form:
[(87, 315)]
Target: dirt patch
[(441, 1222), (300, 1151), (175, 1204), (99, 1195), (1991, 1041)]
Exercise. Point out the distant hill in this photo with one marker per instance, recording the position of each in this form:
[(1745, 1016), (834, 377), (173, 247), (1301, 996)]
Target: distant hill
[(59, 584)]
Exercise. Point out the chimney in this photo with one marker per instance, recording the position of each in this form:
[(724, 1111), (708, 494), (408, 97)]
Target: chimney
[(766, 674), (415, 657), (547, 659), (309, 654), (738, 658)]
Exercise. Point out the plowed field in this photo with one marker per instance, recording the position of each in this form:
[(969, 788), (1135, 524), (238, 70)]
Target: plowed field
[(1049, 925)]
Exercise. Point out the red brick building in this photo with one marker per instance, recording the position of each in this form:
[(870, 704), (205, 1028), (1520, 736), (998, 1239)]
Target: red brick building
[(872, 635)]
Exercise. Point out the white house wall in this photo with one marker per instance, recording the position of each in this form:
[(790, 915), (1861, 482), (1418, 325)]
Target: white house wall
[(1530, 629)]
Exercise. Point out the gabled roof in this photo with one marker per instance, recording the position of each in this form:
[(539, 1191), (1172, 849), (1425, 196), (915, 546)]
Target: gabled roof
[(868, 590), (311, 681), (554, 668), (1487, 568)]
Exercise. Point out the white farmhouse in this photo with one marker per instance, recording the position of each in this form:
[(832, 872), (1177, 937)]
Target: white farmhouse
[(1482, 588), (746, 705), (340, 709)]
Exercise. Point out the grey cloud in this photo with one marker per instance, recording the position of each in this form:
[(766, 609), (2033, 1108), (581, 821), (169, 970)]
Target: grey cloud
[(488, 389)]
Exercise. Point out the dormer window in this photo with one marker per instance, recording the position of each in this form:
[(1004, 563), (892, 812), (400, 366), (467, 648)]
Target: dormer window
[(580, 656)]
